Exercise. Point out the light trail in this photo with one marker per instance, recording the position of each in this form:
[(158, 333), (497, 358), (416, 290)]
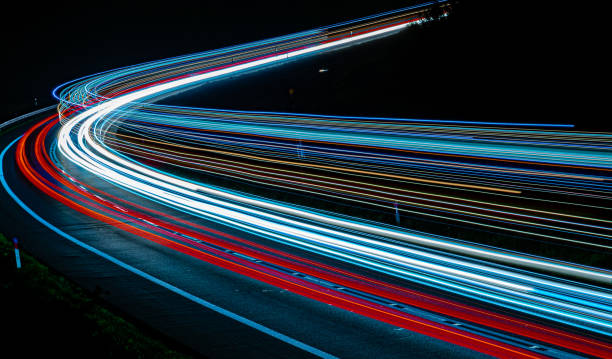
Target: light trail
[(465, 172), (155, 224)]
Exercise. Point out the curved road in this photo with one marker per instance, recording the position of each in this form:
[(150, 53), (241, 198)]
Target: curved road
[(233, 276)]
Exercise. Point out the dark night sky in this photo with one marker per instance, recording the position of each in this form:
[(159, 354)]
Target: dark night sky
[(540, 61)]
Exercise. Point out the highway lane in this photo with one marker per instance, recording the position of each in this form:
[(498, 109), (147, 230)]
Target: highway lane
[(211, 334), (305, 278), (128, 253)]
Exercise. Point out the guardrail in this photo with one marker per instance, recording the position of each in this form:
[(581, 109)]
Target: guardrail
[(17, 119)]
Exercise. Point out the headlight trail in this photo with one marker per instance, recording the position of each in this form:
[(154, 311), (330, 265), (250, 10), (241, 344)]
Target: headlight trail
[(199, 240), (490, 175)]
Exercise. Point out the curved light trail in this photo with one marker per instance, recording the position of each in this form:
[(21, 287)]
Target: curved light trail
[(542, 181)]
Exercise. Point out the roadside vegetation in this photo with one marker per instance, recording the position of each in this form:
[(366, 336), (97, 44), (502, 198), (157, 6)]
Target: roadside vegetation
[(43, 312)]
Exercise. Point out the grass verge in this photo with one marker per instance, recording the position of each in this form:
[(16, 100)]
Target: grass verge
[(45, 312)]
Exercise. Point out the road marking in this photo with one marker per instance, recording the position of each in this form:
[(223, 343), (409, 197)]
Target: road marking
[(179, 291)]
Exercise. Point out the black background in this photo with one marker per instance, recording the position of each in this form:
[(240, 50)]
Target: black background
[(537, 64)]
